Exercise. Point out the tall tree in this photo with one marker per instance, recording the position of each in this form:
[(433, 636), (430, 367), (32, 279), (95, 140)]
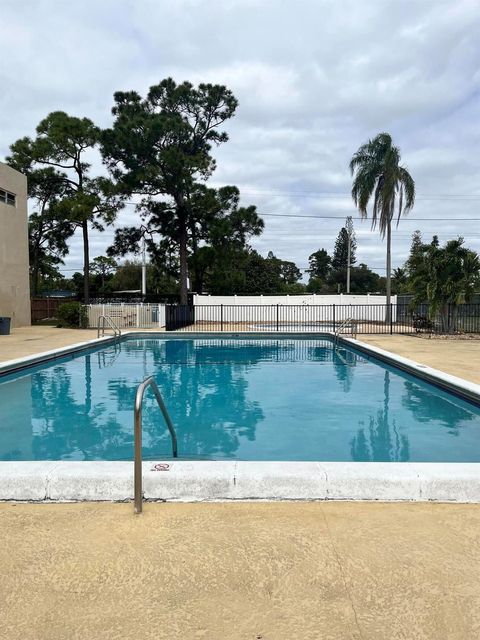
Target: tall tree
[(218, 229), (160, 146), (46, 233), (319, 264), (364, 280), (288, 272), (415, 247), (338, 275), (64, 142), (377, 173), (104, 266), (340, 252), (400, 280)]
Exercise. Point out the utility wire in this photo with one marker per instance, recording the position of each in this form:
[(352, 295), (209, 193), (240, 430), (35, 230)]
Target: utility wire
[(413, 219), (342, 217)]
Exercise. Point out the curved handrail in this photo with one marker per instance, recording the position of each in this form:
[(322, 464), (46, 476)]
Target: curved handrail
[(353, 328), (111, 323), (137, 426)]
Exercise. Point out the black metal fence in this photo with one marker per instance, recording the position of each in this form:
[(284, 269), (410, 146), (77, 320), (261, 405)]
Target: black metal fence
[(366, 319), (179, 316)]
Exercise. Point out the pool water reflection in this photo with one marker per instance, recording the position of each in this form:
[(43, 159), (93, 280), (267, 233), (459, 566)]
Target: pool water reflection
[(251, 399)]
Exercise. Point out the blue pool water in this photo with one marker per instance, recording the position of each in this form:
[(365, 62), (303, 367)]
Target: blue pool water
[(251, 399)]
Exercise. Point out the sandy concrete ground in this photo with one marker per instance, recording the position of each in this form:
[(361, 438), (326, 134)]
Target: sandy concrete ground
[(253, 571), (457, 357), (26, 341), (269, 571)]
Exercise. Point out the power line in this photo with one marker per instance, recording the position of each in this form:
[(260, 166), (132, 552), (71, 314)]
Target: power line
[(342, 217), (301, 215), (343, 194)]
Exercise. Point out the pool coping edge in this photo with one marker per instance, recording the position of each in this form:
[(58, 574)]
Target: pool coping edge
[(206, 481)]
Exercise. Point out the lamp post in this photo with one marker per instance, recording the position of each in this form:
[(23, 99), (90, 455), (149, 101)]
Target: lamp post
[(144, 268), (349, 227)]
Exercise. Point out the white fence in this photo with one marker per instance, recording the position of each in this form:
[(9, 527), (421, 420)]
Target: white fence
[(128, 316), (307, 299), (292, 309)]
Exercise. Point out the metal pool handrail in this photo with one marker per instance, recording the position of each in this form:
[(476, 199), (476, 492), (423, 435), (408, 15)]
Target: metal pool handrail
[(137, 426), (112, 325), (353, 328)]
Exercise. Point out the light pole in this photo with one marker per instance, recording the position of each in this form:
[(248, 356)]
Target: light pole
[(349, 227), (144, 268)]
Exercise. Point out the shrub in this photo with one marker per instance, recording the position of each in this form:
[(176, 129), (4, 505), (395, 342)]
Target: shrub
[(71, 314)]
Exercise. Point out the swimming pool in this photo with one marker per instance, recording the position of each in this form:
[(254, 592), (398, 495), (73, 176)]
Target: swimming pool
[(243, 398)]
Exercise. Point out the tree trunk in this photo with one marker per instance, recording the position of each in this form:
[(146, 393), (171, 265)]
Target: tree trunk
[(86, 263), (196, 271), (36, 258), (389, 270), (182, 239), (454, 318), (444, 318), (35, 275)]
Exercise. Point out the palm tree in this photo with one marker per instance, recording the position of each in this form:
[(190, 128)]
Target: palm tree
[(446, 277), (377, 172)]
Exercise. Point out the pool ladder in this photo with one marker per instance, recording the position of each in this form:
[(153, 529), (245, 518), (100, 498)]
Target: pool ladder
[(137, 426), (101, 326), (345, 323)]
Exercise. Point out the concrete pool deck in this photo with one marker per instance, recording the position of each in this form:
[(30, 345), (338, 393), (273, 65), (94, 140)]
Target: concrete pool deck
[(237, 570), (269, 571), (457, 357)]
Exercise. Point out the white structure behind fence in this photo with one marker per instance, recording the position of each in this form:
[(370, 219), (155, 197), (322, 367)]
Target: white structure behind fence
[(312, 299), (127, 315), (301, 308)]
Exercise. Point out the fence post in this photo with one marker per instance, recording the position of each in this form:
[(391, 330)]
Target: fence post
[(221, 317), (334, 317), (391, 318), (277, 316)]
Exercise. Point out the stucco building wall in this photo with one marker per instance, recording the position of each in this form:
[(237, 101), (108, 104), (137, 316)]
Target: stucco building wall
[(14, 279)]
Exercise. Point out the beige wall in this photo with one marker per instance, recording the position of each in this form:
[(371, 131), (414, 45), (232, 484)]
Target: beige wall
[(14, 280)]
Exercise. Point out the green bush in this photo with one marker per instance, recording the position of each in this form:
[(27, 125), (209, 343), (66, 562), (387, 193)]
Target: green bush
[(72, 314)]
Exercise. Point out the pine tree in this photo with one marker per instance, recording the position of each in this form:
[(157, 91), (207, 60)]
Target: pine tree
[(340, 252)]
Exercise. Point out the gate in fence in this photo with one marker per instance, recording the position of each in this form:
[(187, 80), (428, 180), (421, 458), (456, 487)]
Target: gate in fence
[(128, 316), (179, 316)]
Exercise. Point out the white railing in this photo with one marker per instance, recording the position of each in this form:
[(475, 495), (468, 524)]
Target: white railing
[(128, 315)]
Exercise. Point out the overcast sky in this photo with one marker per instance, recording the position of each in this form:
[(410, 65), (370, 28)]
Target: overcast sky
[(314, 80)]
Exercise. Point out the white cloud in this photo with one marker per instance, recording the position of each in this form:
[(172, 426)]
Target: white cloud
[(314, 80)]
